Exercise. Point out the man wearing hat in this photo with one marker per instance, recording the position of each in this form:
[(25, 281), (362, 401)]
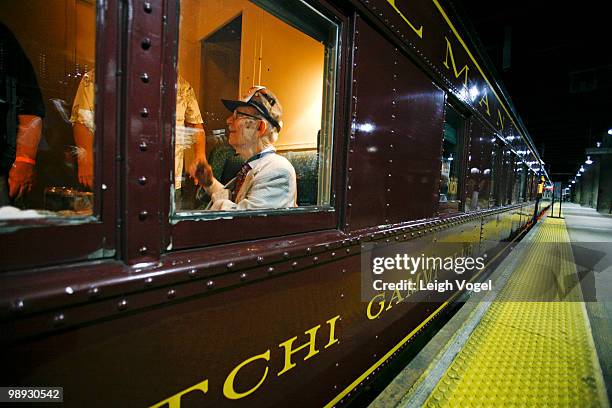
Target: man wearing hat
[(266, 180)]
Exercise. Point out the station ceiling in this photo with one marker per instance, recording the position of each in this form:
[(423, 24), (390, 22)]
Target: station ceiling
[(555, 60)]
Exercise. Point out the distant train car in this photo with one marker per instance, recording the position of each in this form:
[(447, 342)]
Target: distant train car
[(119, 282)]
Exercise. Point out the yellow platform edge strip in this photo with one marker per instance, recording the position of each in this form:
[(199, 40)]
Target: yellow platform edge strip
[(528, 353)]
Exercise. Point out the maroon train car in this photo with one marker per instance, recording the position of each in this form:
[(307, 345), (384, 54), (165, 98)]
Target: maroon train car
[(119, 285)]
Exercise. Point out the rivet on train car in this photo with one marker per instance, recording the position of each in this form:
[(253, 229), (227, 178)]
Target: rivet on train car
[(308, 250), (146, 43), (142, 180), (260, 260), (333, 254), (104, 187), (286, 255), (69, 290), (171, 294), (387, 240), (143, 250), (390, 161), (143, 146), (229, 266), (388, 205), (192, 273), (391, 146), (350, 169), (348, 250), (327, 246), (351, 151), (17, 305), (349, 187), (145, 78), (147, 7), (412, 234), (143, 215), (294, 264), (270, 270), (144, 112), (243, 276), (337, 364), (148, 281), (122, 305), (315, 259), (342, 296), (59, 319), (210, 284), (397, 238)]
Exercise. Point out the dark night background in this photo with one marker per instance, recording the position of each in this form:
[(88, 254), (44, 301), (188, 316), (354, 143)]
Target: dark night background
[(555, 60)]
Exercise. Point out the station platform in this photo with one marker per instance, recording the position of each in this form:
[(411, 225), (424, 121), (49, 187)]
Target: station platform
[(540, 338)]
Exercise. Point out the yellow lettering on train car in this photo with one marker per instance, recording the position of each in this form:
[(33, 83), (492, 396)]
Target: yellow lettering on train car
[(395, 296), (332, 331), (311, 344), (229, 390), (485, 100), (175, 400), (381, 304), (500, 120), (418, 31), (228, 387), (464, 70)]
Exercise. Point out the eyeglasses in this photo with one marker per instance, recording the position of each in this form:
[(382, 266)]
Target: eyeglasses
[(236, 113)]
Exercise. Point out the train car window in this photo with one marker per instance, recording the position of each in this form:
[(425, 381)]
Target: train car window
[(450, 174), (523, 189), (254, 109), (516, 185), (494, 176), (47, 93), (479, 177), (509, 164)]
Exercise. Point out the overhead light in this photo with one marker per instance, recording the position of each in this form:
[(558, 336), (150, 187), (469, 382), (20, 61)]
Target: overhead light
[(610, 131), (588, 160), (474, 93), (598, 144), (578, 174), (450, 158), (582, 169), (573, 181), (366, 127)]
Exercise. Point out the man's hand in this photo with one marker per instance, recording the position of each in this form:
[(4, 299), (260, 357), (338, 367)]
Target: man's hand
[(21, 178), (201, 171), (85, 169), (84, 140)]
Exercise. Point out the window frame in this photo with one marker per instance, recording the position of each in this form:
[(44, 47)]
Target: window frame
[(463, 133), (54, 240), (190, 232)]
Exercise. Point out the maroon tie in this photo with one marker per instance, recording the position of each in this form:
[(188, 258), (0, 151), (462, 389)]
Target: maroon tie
[(240, 176)]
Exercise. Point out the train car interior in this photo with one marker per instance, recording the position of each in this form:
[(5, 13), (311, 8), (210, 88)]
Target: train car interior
[(59, 41), (225, 48)]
